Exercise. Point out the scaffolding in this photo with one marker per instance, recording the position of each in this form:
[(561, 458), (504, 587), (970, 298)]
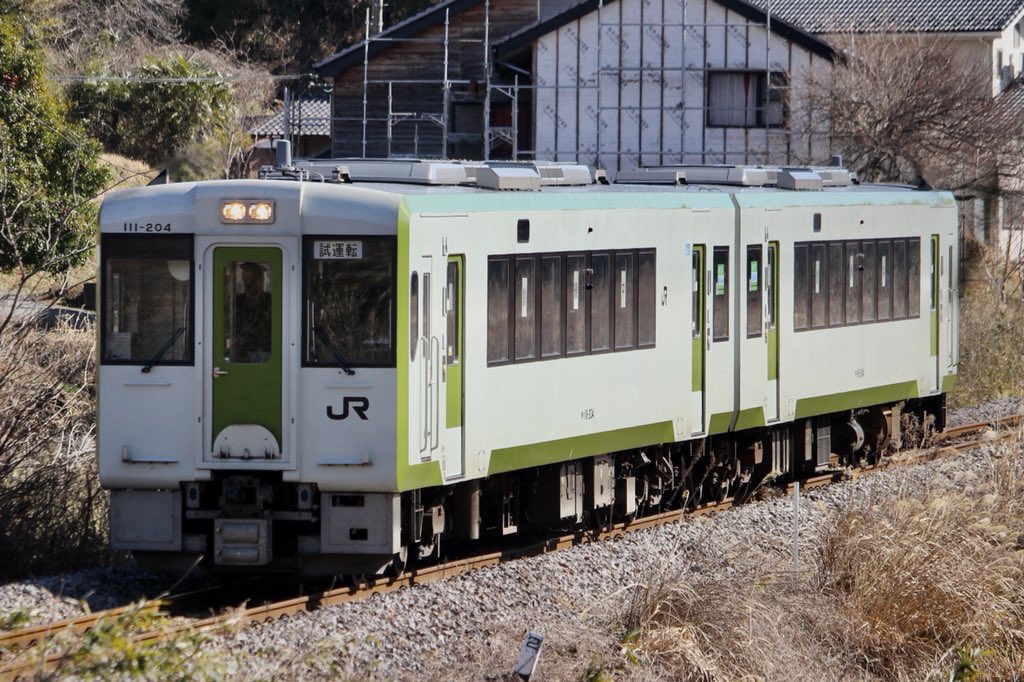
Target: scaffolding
[(608, 83)]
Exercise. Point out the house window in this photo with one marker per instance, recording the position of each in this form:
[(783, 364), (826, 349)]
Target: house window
[(746, 99)]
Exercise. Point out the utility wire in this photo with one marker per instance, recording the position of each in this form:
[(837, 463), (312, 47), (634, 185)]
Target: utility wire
[(175, 79)]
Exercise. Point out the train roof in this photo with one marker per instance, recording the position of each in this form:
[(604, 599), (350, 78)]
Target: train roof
[(369, 193)]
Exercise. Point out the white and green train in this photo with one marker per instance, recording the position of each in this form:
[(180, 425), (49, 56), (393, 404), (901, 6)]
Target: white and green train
[(333, 374)]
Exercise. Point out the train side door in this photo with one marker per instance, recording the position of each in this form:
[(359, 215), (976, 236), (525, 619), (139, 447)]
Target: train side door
[(454, 368), (936, 309), (428, 361), (771, 297), (245, 353), (698, 333)]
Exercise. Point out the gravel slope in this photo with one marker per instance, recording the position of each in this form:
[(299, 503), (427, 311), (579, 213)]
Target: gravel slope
[(472, 626)]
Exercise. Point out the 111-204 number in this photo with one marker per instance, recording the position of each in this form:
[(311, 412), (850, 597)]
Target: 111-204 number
[(146, 227)]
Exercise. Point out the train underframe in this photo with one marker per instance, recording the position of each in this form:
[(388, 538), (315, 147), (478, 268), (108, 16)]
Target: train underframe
[(244, 520)]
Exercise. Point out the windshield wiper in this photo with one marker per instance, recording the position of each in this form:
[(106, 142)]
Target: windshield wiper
[(166, 347), (339, 358)]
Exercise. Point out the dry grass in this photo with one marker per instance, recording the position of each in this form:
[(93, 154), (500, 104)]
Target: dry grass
[(52, 510), (991, 329), (925, 588)]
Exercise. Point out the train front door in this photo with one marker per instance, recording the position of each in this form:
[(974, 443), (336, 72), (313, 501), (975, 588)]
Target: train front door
[(245, 352)]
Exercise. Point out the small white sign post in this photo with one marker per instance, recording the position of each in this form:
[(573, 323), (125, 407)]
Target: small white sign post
[(526, 664)]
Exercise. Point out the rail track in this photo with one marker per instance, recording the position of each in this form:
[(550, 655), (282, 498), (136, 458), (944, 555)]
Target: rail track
[(13, 643)]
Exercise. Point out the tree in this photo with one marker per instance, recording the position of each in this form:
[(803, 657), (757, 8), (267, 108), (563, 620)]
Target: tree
[(913, 109), (49, 170), (156, 110)]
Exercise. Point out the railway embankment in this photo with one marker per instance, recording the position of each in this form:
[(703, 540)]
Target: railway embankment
[(913, 571)]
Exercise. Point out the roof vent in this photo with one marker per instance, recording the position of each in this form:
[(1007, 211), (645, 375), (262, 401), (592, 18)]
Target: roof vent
[(508, 179), (564, 174), (651, 176), (799, 180), (743, 176)]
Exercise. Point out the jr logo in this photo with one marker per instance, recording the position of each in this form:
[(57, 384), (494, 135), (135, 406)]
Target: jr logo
[(357, 404)]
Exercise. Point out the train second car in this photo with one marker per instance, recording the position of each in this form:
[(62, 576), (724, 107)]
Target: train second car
[(332, 370)]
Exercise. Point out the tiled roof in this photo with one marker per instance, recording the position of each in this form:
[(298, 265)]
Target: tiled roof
[(895, 16), (434, 15), (309, 116)]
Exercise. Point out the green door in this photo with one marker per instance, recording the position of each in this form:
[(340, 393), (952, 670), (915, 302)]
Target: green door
[(246, 344), (698, 333), (771, 290), (453, 375)]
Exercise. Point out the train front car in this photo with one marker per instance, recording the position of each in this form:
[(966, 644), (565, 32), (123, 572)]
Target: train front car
[(244, 322)]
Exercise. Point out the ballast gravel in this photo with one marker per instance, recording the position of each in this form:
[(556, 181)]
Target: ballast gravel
[(472, 626)]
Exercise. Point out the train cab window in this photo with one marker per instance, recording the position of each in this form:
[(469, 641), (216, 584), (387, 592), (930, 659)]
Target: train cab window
[(248, 312), (600, 302), (801, 288), (350, 302), (498, 310), (884, 281), (899, 279), (819, 286), (575, 304), (525, 309), (753, 291), (647, 298), (147, 299), (624, 301), (720, 293), (853, 261), (550, 306)]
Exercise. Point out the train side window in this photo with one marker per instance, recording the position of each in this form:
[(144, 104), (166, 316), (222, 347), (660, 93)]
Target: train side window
[(933, 269), (624, 301), (498, 310), (575, 304), (754, 291), (551, 327), (852, 261), (525, 310), (914, 277), (884, 280), (836, 283), (414, 314), (770, 286), (819, 284), (350, 313), (899, 279), (647, 298), (454, 338), (600, 302), (801, 288), (868, 283), (720, 293), (147, 299)]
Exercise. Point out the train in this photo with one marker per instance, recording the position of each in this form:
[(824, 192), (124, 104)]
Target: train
[(341, 367)]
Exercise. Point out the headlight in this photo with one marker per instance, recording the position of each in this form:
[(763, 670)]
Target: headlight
[(247, 211)]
